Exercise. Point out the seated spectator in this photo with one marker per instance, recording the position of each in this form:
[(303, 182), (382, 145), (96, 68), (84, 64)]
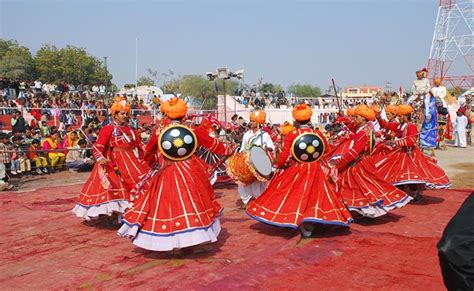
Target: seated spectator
[(38, 157), (70, 140), (18, 122), (23, 160), (79, 159), (53, 145), (27, 138)]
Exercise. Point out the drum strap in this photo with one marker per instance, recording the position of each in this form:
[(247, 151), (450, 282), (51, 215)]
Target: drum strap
[(253, 140)]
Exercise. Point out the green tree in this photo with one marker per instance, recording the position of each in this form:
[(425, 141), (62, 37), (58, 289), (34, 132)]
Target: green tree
[(145, 81), (200, 89), (304, 90), (231, 86), (270, 88), (70, 64), (6, 45), (47, 63), (17, 63)]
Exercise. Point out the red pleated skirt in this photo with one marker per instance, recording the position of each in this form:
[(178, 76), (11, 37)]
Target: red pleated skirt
[(177, 199), (365, 191), (300, 193), (404, 166)]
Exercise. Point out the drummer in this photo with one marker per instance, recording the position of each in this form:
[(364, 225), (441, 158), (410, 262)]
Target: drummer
[(255, 136)]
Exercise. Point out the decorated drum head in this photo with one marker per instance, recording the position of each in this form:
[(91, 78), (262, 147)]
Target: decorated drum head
[(307, 147), (177, 142), (260, 161)]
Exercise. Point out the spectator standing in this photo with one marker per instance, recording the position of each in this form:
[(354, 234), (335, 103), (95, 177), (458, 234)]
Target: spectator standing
[(460, 130), (134, 122), (4, 161), (38, 86), (102, 89), (18, 122), (14, 157)]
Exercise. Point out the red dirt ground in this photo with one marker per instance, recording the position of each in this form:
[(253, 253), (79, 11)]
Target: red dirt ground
[(43, 246)]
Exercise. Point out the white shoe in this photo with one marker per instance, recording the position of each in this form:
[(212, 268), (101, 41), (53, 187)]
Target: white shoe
[(13, 172)]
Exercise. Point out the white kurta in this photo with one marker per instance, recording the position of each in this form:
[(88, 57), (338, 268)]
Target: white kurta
[(260, 138), (421, 87), (460, 131)]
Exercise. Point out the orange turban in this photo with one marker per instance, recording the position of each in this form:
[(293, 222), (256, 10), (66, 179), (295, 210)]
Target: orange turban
[(404, 110), (258, 116), (174, 108), (286, 128), (365, 111), (391, 109), (302, 112), (350, 111), (120, 104)]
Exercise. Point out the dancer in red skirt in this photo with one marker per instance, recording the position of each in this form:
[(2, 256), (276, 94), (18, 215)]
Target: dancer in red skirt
[(406, 166), (300, 195), (176, 208), (117, 169), (361, 188)]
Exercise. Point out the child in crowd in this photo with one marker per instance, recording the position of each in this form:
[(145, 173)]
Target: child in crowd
[(14, 157), (45, 131), (38, 157), (24, 161)]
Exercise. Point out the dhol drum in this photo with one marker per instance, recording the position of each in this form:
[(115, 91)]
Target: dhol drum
[(249, 166)]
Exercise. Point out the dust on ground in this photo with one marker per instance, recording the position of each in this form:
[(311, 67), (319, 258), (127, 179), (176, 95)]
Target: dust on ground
[(458, 163)]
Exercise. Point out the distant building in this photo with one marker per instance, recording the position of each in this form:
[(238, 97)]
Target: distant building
[(361, 92)]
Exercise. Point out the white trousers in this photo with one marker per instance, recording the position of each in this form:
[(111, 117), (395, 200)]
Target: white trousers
[(252, 190), (460, 139)]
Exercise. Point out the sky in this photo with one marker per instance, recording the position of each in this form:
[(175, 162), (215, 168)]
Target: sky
[(355, 42)]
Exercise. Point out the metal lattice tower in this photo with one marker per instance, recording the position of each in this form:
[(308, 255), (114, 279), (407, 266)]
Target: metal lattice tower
[(452, 51)]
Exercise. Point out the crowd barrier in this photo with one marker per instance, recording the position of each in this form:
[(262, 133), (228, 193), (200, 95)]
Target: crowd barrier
[(147, 116)]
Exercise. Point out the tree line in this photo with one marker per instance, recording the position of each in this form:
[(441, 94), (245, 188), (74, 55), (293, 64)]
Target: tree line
[(205, 92), (71, 64)]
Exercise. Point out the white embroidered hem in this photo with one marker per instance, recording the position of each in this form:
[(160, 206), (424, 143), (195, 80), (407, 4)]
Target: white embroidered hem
[(155, 242), (108, 208)]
